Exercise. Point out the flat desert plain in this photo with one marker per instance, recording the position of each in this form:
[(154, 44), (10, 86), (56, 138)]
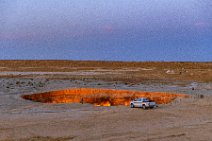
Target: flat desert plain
[(184, 119)]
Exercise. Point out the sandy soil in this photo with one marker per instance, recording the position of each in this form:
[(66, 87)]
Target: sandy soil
[(186, 120)]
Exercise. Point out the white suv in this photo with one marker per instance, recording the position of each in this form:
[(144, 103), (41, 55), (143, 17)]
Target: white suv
[(143, 103)]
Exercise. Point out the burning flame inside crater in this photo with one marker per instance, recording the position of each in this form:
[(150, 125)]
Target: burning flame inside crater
[(101, 97)]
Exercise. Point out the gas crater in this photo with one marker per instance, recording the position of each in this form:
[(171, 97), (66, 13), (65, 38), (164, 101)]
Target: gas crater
[(101, 97)]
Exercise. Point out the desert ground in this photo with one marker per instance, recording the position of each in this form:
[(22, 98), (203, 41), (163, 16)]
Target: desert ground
[(184, 119)]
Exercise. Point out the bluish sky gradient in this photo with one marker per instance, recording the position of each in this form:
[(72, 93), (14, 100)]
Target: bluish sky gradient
[(123, 30)]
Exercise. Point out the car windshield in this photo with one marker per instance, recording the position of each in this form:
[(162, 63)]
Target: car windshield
[(146, 100)]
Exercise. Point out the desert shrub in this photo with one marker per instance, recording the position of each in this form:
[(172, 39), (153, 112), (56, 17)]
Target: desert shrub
[(18, 82), (30, 83), (23, 82), (201, 96)]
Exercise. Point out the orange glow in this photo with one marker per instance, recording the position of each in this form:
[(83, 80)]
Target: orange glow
[(101, 97), (106, 104)]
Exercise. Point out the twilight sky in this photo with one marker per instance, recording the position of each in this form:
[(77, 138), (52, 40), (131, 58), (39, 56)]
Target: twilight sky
[(124, 30)]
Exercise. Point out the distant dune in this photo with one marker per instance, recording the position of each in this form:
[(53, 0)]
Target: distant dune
[(116, 71), (66, 63)]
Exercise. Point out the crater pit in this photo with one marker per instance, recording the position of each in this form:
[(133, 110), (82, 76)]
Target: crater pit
[(101, 97)]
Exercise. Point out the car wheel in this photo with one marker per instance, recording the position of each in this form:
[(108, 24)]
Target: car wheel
[(144, 107), (132, 105)]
